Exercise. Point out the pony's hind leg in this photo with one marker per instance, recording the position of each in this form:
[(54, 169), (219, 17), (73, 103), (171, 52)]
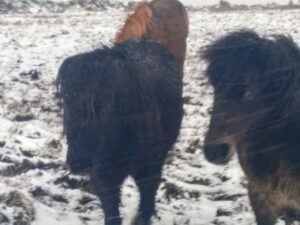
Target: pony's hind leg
[(107, 188), (148, 186)]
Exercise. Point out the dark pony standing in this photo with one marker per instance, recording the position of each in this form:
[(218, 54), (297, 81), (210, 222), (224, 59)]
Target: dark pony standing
[(164, 21), (122, 114), (256, 111)]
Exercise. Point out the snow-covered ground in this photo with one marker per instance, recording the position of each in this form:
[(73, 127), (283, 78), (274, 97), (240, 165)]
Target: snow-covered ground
[(36, 188)]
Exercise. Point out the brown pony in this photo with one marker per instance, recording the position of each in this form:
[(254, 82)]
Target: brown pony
[(164, 21)]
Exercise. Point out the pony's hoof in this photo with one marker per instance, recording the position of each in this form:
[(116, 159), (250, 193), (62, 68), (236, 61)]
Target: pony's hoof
[(140, 221)]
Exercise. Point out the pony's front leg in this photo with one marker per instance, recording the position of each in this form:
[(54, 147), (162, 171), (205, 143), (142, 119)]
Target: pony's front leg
[(107, 188), (265, 210), (148, 186)]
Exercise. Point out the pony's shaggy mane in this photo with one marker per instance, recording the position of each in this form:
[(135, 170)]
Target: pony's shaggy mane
[(243, 55), (164, 21), (133, 70), (136, 24)]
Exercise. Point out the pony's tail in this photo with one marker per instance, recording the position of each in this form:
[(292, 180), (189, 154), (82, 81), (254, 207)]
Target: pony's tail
[(136, 24), (244, 51)]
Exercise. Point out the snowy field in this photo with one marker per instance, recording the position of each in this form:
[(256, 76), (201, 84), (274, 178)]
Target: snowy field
[(36, 188)]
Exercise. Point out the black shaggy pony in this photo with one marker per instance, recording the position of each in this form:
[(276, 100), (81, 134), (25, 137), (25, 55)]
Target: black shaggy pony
[(256, 111), (122, 114)]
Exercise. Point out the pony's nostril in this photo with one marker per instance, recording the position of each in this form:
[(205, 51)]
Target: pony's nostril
[(217, 153)]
